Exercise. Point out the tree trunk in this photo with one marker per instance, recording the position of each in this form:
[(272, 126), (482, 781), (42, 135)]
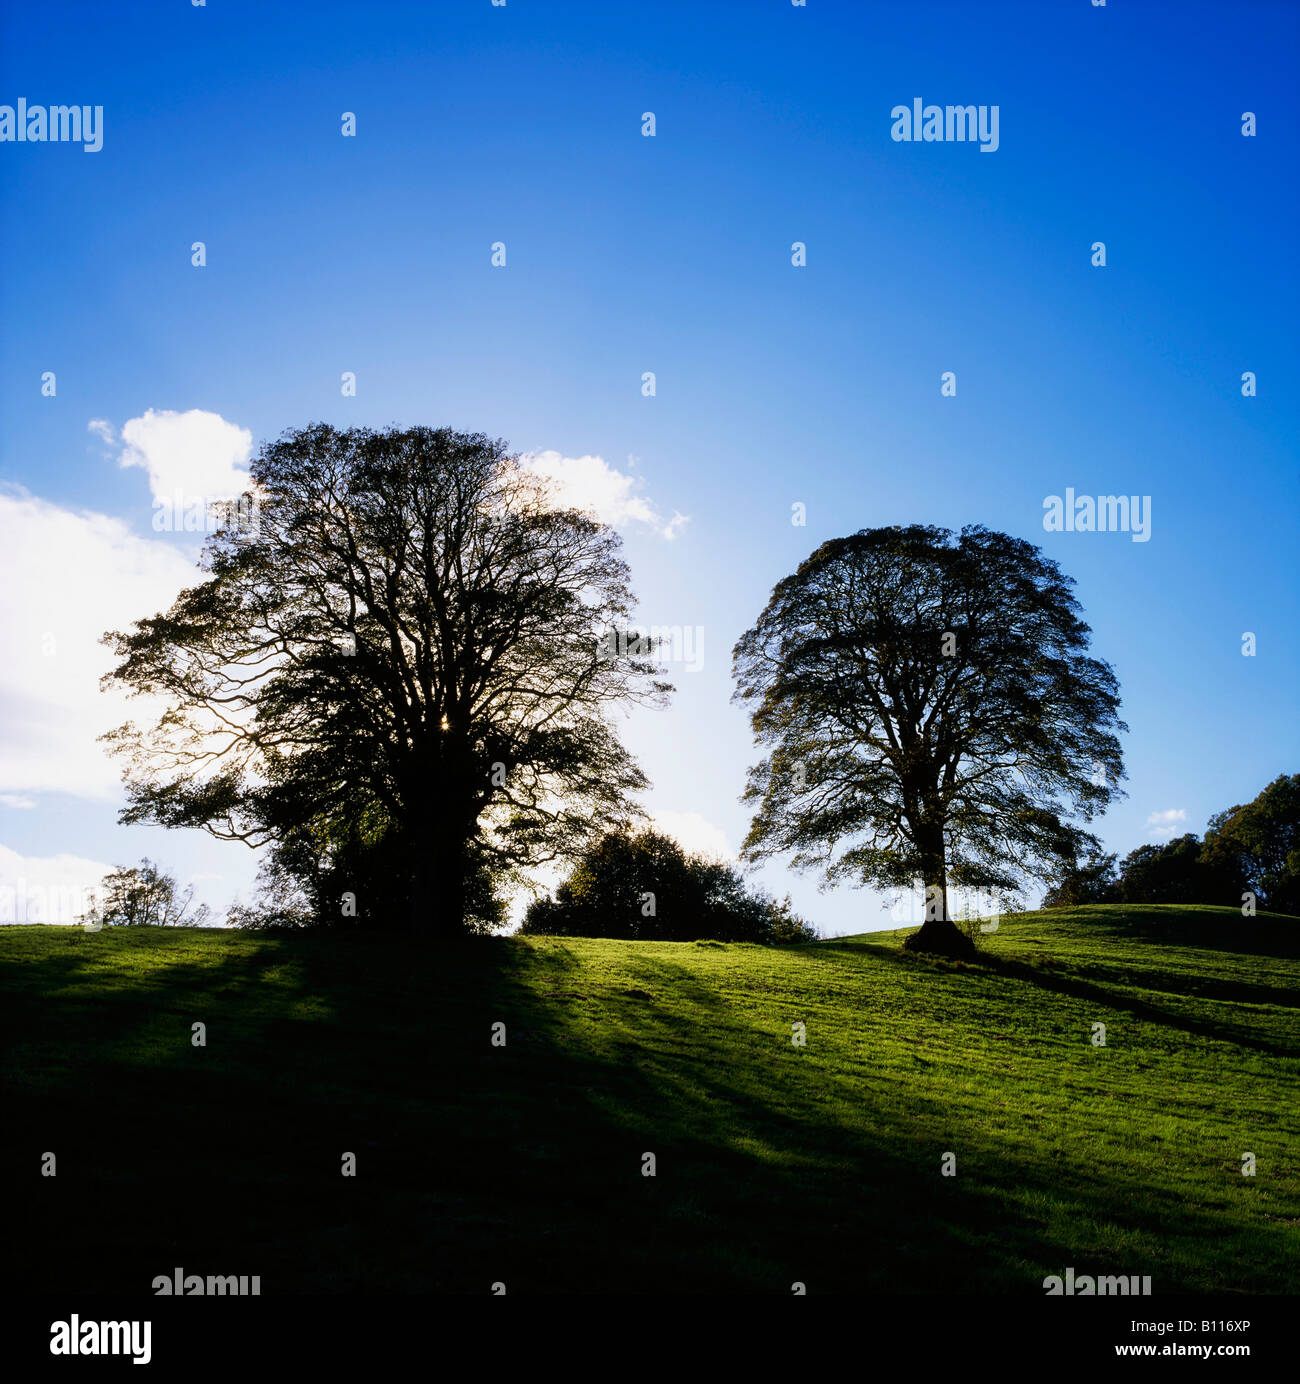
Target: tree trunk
[(438, 880), (939, 935)]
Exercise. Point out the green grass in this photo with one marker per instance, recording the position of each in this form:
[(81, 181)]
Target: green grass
[(775, 1163)]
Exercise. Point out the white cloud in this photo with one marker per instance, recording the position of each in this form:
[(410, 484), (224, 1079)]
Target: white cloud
[(103, 430), (590, 483), (1162, 823), (65, 577), (46, 889), (694, 832), (16, 800), (195, 453)]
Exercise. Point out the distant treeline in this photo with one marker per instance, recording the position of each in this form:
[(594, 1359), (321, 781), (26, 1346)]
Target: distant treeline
[(1250, 857)]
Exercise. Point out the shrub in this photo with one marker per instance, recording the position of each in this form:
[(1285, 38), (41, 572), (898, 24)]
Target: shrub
[(644, 886)]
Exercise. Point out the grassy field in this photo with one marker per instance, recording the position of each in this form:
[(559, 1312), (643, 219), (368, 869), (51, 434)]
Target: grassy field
[(775, 1163)]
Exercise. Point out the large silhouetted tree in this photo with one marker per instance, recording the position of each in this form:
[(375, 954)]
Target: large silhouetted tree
[(397, 675), (930, 715)]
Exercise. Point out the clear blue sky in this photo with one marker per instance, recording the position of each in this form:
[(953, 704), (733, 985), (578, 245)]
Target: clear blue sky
[(672, 254)]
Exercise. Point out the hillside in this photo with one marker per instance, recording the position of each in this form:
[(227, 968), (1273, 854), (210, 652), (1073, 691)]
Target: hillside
[(523, 1164)]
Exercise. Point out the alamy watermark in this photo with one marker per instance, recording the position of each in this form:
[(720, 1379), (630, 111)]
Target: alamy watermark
[(924, 904), (181, 1284), (182, 512), (945, 124), (661, 644), (1130, 514), (75, 1337), (1104, 1285), (24, 124), (24, 901)]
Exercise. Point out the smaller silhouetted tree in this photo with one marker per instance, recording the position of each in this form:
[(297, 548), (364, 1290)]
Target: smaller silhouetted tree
[(1169, 872), (1177, 871), (1091, 880), (144, 896), (642, 886)]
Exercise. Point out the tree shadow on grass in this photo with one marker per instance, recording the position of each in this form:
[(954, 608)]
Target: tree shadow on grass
[(1077, 987), (1209, 929), (1065, 978)]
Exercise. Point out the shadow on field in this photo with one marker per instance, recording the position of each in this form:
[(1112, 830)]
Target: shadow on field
[(1076, 986), (1265, 934), (476, 1164)]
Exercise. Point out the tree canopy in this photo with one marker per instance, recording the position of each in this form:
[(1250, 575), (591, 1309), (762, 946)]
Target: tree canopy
[(395, 676), (643, 886), (143, 896), (930, 713), (1177, 871), (1261, 840)]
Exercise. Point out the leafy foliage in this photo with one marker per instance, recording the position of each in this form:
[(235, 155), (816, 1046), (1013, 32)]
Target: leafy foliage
[(643, 886), (1261, 840), (1091, 880), (1176, 872), (144, 896)]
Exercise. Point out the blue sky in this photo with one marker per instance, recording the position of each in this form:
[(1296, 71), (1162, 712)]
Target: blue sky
[(775, 384)]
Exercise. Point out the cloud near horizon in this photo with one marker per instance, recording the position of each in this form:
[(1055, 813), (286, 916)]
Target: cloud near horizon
[(591, 484), (53, 611), (1165, 823), (46, 889)]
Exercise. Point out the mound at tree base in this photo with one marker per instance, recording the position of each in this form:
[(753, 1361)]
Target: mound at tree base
[(941, 939)]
